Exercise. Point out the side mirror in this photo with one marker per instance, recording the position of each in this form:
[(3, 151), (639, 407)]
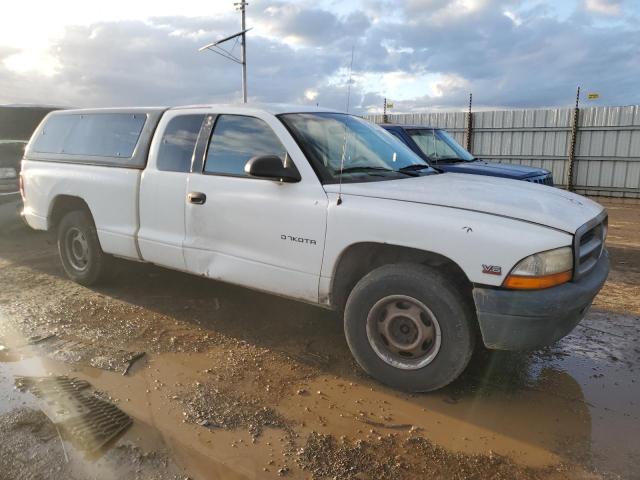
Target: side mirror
[(271, 167)]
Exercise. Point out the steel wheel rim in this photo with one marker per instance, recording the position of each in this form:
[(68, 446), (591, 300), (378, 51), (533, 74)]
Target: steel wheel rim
[(77, 249), (403, 332)]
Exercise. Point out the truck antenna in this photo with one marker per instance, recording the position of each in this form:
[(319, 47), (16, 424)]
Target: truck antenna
[(344, 143)]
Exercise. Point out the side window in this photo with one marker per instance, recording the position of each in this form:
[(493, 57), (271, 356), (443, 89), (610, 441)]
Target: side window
[(94, 134), (235, 140), (178, 142), (106, 135)]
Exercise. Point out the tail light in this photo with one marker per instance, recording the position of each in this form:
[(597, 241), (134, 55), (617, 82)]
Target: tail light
[(21, 185)]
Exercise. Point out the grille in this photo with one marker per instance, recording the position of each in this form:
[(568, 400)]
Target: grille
[(589, 243), (546, 179)]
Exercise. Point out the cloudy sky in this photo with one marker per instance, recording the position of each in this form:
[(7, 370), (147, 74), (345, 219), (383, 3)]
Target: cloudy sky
[(421, 54)]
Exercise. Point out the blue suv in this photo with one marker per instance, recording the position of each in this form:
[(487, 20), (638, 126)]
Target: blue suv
[(442, 152)]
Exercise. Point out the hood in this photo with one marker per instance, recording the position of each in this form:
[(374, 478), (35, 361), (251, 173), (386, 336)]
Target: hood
[(505, 170), (525, 201)]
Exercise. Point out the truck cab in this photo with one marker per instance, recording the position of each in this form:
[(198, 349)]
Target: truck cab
[(442, 151)]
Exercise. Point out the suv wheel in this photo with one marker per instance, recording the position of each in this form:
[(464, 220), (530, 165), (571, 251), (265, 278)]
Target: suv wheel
[(409, 327), (82, 257)]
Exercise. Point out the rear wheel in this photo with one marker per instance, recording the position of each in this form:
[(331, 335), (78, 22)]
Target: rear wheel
[(82, 257), (409, 327)]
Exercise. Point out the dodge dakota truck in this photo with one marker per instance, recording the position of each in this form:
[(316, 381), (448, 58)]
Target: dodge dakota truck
[(327, 208)]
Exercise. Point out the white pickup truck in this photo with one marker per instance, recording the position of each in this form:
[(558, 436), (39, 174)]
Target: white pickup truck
[(326, 208)]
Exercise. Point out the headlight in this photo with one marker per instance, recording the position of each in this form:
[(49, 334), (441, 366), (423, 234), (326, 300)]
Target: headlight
[(8, 173), (542, 270)]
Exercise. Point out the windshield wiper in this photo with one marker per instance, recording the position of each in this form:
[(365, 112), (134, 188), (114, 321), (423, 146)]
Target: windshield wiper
[(414, 167), (365, 169), (450, 160)]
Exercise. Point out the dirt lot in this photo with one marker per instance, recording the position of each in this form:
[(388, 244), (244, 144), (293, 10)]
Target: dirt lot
[(222, 382)]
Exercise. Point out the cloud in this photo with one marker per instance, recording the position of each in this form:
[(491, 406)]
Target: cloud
[(309, 26), (603, 7), (421, 54), (156, 62)]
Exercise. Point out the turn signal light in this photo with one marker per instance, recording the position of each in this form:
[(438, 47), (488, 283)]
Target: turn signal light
[(526, 282)]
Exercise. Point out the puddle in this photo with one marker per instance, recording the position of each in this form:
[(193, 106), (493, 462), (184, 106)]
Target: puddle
[(142, 452), (318, 418), (7, 355), (246, 412)]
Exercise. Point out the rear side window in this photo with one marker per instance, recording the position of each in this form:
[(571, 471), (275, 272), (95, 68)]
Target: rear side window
[(235, 140), (101, 134), (178, 142)]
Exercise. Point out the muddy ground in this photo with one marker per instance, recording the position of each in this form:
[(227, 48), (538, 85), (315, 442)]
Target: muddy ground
[(235, 384)]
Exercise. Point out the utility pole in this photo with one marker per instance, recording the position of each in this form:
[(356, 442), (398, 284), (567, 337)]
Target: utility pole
[(217, 47), (384, 111), (241, 5)]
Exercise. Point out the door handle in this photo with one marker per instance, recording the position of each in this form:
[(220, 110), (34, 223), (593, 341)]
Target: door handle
[(197, 198)]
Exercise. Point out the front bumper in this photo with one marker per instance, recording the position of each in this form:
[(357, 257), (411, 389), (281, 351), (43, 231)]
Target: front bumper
[(526, 320)]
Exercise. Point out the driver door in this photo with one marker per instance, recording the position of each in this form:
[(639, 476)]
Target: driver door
[(263, 234)]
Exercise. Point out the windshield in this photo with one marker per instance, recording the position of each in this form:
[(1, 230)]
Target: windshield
[(369, 153), (439, 146)]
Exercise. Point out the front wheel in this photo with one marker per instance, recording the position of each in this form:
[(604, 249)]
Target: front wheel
[(82, 257), (409, 327)]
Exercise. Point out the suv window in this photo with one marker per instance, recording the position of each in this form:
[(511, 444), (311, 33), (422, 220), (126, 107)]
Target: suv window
[(235, 140), (178, 142)]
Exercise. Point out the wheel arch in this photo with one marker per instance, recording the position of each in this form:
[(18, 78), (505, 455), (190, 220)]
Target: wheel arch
[(358, 259), (63, 204)]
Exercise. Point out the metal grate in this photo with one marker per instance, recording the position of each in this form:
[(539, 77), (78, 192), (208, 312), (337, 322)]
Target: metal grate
[(81, 352), (102, 422), (86, 419), (42, 387), (589, 244)]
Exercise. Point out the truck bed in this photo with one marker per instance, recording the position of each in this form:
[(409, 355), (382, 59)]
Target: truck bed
[(110, 193)]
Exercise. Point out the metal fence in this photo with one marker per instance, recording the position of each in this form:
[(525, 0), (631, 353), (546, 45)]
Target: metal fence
[(607, 152)]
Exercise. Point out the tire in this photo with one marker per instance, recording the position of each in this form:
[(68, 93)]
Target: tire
[(82, 258), (409, 327)]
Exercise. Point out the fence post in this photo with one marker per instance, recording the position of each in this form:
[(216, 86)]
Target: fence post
[(469, 125), (384, 112), (572, 144)]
